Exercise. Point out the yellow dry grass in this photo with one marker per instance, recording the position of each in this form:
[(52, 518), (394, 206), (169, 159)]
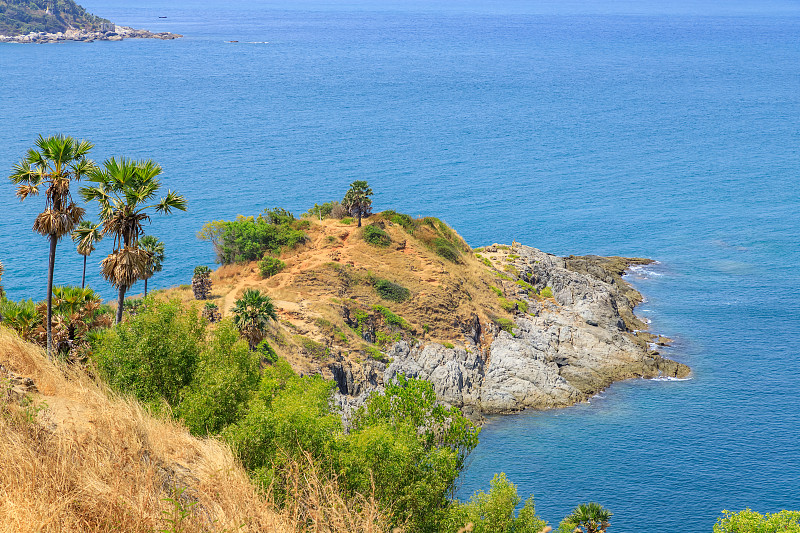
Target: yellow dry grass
[(75, 459)]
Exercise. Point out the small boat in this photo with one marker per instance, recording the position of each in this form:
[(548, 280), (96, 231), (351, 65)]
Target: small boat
[(232, 41), (162, 17)]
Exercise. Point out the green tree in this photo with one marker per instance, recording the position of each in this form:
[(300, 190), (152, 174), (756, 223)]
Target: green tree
[(494, 512), (53, 163), (252, 314), (357, 199), (86, 235), (155, 248), (124, 189), (749, 521), (589, 517)]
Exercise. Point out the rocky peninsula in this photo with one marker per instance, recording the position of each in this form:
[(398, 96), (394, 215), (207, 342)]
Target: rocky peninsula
[(118, 33), (496, 329)]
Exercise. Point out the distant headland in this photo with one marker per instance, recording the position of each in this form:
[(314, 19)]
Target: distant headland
[(52, 21)]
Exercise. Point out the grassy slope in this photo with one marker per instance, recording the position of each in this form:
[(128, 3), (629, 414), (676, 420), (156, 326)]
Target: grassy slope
[(19, 17), (333, 270), (74, 459)]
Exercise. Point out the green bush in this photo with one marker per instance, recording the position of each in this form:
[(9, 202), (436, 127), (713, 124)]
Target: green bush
[(269, 266), (446, 249), (248, 238), (547, 292), (226, 375), (507, 305), (313, 348), (505, 324), (374, 353), (391, 318), (496, 290), (347, 220), (749, 521), (153, 355), (522, 305), (448, 345), (376, 236), (494, 512), (406, 221), (391, 291), (267, 352)]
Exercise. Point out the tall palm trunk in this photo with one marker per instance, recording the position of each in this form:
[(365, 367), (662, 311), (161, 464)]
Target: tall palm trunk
[(50, 269), (83, 278), (359, 218), (145, 287), (120, 302)]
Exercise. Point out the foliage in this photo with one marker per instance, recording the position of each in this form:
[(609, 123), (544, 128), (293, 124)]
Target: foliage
[(749, 521), (375, 236), (154, 354), (251, 315), (314, 349), (20, 316), (408, 223), (374, 353), (347, 220), (494, 512), (547, 292), (590, 517), (248, 238), (507, 305), (227, 372), (211, 312), (155, 248), (495, 290), (326, 210), (391, 291), (391, 318), (357, 200), (86, 235), (266, 352), (124, 189), (269, 266), (448, 345), (505, 324), (502, 276), (19, 17), (446, 249)]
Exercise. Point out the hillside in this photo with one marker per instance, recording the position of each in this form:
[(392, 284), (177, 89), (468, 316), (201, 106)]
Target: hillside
[(19, 17), (75, 459), (496, 331)]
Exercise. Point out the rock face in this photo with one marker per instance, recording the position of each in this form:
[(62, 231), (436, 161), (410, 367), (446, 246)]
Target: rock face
[(119, 33), (563, 349)]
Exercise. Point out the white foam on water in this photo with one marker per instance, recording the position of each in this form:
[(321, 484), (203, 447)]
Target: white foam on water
[(669, 378)]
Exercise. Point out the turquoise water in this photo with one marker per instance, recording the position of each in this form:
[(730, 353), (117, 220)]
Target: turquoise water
[(625, 128)]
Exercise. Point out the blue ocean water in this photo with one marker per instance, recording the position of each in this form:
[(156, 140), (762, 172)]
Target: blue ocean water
[(666, 130)]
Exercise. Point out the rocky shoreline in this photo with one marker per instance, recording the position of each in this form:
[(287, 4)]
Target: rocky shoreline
[(561, 350), (118, 34)]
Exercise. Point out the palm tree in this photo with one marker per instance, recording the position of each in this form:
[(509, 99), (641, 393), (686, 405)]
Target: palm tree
[(357, 199), (589, 517), (155, 248), (124, 189), (86, 235), (54, 163), (252, 314)]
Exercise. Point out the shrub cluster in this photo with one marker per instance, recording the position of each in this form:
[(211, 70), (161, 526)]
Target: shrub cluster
[(375, 236), (269, 266), (391, 291), (249, 238)]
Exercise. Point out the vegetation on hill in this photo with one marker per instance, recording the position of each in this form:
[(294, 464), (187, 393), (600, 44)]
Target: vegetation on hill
[(19, 17)]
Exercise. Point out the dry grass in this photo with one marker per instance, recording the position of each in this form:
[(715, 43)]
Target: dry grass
[(74, 459)]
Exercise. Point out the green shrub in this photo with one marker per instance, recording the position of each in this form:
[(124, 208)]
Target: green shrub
[(375, 236), (391, 291), (406, 221), (749, 521), (507, 305), (484, 260), (494, 512), (226, 375), (391, 318), (374, 353), (347, 221), (505, 324), (153, 355), (448, 345), (503, 276), (322, 210), (496, 290), (522, 305), (385, 339), (249, 238), (547, 292), (525, 285), (446, 249), (511, 268), (266, 352), (269, 266)]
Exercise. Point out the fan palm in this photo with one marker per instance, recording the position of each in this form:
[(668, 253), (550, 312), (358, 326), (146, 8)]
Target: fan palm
[(252, 314), (86, 235), (357, 199), (589, 517), (124, 189), (53, 163), (155, 248)]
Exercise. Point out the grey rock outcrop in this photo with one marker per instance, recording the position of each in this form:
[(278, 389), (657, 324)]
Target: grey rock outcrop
[(119, 33), (563, 349)]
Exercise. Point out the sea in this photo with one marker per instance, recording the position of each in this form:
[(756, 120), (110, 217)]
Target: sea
[(660, 129)]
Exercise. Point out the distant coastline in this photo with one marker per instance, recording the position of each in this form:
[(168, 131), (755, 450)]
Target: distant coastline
[(118, 33)]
